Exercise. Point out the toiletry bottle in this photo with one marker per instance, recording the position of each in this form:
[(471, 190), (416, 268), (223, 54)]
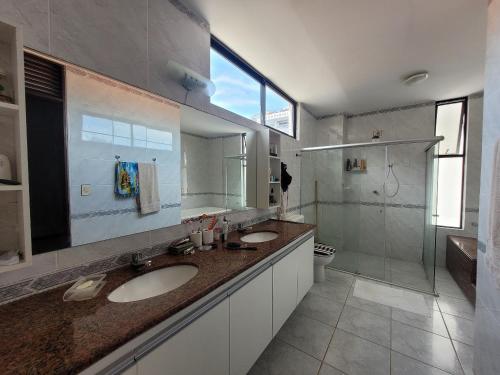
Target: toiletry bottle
[(348, 165), (225, 229)]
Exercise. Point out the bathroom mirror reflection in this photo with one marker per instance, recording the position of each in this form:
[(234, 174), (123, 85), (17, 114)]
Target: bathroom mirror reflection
[(217, 162), (106, 138)]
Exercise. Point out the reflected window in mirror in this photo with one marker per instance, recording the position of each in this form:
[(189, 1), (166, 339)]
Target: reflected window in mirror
[(106, 130)]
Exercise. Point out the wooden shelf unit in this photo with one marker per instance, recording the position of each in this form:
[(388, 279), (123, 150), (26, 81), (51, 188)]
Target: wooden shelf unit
[(15, 230)]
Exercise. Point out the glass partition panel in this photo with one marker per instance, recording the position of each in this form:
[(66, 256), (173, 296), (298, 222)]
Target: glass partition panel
[(235, 198), (405, 194)]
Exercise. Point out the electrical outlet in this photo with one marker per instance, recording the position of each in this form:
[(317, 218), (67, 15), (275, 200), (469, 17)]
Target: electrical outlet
[(86, 190)]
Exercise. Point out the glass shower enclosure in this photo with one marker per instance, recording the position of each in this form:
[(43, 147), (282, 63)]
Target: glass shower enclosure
[(375, 203)]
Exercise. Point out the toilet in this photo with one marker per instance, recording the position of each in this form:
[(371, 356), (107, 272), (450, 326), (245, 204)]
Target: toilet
[(323, 254)]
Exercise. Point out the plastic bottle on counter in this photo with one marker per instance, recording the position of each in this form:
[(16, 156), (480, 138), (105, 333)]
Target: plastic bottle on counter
[(225, 229)]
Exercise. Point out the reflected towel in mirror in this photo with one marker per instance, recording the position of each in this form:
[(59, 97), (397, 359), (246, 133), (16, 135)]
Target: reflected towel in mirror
[(149, 195)]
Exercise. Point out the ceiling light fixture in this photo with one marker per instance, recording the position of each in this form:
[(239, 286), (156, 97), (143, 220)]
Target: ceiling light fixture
[(415, 78)]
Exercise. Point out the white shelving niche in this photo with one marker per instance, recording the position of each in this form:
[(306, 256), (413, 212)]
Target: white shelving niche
[(269, 169), (15, 232)]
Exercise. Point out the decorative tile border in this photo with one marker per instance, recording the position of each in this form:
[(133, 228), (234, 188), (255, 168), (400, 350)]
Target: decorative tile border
[(477, 95), (209, 193), (121, 211), (115, 83), (472, 209), (30, 286), (372, 204), (39, 284), (196, 18), (42, 283), (393, 109)]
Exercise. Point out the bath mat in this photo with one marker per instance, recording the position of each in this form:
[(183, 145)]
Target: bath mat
[(391, 296)]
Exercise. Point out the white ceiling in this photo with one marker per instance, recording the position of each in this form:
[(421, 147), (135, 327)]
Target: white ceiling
[(349, 55), (207, 125)]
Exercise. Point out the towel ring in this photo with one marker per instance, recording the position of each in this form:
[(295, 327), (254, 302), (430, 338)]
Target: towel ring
[(154, 160)]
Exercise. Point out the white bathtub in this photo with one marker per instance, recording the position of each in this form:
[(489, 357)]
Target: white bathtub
[(187, 213)]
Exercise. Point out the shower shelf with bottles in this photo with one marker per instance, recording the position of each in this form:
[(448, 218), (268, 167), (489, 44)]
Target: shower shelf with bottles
[(356, 165)]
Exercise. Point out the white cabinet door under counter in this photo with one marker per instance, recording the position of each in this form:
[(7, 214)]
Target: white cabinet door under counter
[(251, 318), (228, 329), (305, 268), (200, 348)]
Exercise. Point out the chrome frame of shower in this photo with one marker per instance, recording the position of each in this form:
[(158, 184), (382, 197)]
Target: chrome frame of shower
[(431, 142)]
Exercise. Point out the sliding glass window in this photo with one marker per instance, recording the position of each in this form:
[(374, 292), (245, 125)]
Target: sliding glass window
[(243, 90), (451, 122), (236, 90)]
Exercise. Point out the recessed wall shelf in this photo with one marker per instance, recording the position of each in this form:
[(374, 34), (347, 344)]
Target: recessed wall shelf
[(357, 170), (8, 108), (11, 187), (268, 190)]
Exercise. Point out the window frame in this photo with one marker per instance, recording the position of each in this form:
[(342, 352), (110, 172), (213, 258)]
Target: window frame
[(463, 155), (234, 58)]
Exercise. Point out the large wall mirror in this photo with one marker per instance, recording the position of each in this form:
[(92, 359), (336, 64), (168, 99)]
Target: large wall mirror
[(108, 160)]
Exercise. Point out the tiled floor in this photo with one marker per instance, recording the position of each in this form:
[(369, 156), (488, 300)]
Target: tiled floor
[(407, 274), (332, 332)]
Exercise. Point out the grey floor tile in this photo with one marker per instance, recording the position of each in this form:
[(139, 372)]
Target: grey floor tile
[(433, 322), (411, 281), (329, 370), (424, 346), (457, 307), (366, 325), (338, 277), (460, 329), (372, 266), (345, 260), (308, 335), (365, 305), (403, 365), (320, 308), (410, 268), (280, 358), (356, 356), (465, 356), (443, 274), (449, 288), (335, 292)]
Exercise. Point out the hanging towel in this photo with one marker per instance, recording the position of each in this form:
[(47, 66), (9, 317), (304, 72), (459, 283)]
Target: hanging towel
[(126, 183), (149, 196)]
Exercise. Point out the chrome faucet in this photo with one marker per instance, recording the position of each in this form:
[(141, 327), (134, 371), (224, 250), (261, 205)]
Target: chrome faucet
[(138, 261), (242, 229)]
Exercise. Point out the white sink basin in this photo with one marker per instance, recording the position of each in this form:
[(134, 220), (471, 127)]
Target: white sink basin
[(259, 237), (153, 283)]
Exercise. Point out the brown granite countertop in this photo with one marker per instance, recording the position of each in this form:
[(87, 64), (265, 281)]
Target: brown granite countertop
[(41, 334)]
